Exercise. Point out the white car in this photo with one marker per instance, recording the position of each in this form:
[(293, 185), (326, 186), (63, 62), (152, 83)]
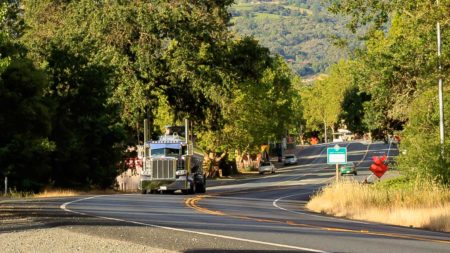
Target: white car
[(290, 159), (266, 167)]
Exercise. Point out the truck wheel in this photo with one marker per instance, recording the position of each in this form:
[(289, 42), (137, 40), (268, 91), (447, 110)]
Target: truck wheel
[(201, 188), (193, 188)]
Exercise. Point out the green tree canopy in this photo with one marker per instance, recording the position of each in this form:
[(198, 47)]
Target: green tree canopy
[(24, 117), (400, 69)]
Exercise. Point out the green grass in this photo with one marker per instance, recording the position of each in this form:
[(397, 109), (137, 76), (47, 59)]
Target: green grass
[(394, 183)]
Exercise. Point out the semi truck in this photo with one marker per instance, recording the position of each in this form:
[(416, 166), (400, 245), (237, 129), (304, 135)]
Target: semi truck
[(169, 165)]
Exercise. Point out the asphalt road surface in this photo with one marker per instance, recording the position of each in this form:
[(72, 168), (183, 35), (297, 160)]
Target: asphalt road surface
[(265, 214)]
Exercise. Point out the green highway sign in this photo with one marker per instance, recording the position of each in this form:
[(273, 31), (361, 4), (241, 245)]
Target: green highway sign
[(337, 155)]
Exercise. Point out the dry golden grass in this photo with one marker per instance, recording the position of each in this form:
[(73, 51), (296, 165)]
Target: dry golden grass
[(421, 205), (68, 193), (56, 193)]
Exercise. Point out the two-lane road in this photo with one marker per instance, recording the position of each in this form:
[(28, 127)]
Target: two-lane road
[(261, 215)]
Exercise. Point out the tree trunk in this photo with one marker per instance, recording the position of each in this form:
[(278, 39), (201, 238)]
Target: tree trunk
[(211, 163)]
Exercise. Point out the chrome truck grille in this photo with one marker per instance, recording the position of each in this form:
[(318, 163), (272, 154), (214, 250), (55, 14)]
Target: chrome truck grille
[(163, 168)]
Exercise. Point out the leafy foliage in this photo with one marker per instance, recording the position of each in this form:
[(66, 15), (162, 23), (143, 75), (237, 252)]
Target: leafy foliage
[(24, 118), (353, 113), (400, 69), (420, 148), (260, 88), (323, 102), (90, 71)]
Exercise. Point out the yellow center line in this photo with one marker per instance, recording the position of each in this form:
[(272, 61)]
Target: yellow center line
[(193, 203)]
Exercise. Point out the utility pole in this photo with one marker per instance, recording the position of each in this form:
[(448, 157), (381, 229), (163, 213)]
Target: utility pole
[(146, 130), (6, 185), (189, 151), (440, 87)]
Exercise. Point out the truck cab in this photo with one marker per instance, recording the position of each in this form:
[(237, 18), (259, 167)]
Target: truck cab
[(169, 165)]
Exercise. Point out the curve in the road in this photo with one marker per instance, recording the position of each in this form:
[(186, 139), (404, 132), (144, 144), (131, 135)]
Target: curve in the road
[(246, 212), (65, 208), (193, 203)]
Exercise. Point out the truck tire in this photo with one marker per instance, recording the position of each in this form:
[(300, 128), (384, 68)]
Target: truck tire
[(201, 188), (194, 188)]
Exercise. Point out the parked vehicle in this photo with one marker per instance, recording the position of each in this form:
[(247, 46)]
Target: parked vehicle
[(343, 135), (290, 159), (266, 167), (349, 168)]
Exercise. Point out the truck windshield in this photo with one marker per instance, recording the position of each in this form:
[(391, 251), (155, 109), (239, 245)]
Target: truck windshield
[(166, 152), (172, 152), (158, 152)]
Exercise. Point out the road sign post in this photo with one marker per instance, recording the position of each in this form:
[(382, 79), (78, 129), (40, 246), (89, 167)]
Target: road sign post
[(337, 155)]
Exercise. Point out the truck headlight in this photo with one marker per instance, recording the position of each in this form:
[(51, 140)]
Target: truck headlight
[(146, 173), (181, 172)]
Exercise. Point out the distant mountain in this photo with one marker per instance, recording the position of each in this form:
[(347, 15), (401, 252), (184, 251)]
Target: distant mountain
[(301, 31)]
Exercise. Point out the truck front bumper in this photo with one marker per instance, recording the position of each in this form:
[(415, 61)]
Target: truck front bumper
[(164, 185)]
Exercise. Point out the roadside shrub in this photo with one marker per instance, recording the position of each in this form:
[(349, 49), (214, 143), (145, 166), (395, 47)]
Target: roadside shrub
[(420, 152)]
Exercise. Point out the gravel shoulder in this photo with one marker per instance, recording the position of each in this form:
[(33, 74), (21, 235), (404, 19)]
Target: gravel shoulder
[(67, 239), (38, 225)]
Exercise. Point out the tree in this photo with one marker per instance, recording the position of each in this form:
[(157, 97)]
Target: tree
[(353, 110), (260, 87), (24, 117), (165, 57), (420, 149), (322, 101), (110, 64), (85, 128), (400, 67)]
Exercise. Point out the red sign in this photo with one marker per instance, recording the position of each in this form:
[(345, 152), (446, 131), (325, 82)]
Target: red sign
[(378, 167)]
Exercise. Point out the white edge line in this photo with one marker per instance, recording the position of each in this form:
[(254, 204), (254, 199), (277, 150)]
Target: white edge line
[(320, 154), (64, 207), (274, 203), (365, 155)]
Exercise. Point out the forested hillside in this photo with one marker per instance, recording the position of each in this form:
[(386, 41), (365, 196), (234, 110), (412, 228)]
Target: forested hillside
[(301, 31)]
